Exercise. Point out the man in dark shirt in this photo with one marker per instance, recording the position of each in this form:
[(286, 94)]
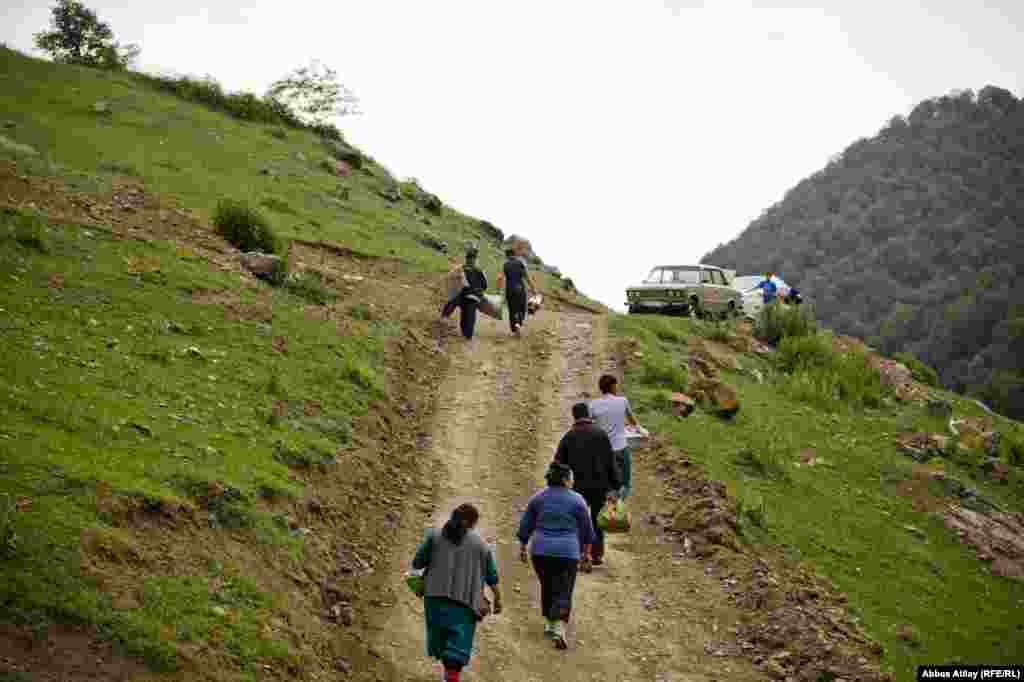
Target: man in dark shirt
[(586, 449), (517, 277), (472, 293)]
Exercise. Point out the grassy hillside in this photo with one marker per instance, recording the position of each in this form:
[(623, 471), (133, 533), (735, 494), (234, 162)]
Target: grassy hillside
[(196, 466), (912, 239), (823, 480), (200, 155)]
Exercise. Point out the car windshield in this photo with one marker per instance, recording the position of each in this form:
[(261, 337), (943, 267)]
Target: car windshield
[(654, 277), (682, 275)]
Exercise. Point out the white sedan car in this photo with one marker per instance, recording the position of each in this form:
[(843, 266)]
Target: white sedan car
[(753, 300)]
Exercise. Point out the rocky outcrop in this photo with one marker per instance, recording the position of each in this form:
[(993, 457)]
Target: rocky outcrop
[(998, 537)]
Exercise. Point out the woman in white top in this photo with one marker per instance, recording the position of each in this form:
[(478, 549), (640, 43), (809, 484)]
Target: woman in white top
[(611, 412)]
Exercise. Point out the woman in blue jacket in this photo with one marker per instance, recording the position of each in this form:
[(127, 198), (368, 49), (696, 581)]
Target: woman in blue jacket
[(557, 519)]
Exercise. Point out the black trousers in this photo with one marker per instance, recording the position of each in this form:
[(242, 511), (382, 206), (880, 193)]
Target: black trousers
[(595, 500), (516, 299), (557, 581), (467, 318)]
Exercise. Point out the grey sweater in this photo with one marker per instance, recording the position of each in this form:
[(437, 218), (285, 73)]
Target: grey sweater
[(457, 572)]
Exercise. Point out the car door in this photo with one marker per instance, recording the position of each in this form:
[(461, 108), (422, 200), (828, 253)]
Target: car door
[(724, 290), (709, 294)]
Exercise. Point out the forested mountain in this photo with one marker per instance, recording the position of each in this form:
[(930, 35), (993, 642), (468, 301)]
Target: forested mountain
[(912, 240)]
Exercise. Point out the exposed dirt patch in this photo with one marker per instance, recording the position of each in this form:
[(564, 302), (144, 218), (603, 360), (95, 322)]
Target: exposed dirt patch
[(998, 537), (63, 653), (791, 623), (919, 490)]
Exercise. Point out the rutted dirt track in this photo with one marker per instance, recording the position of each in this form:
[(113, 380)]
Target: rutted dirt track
[(649, 615)]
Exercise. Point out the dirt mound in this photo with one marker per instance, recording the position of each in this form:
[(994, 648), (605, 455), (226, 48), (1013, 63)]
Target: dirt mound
[(795, 623), (63, 653), (998, 537)]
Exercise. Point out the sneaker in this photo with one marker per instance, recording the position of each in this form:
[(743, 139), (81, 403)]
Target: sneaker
[(595, 562), (549, 629), (559, 636)]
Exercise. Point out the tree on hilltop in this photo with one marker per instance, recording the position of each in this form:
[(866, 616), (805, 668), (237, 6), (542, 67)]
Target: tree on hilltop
[(314, 94), (77, 36)]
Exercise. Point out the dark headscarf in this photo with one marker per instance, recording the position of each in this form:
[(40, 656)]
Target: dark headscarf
[(462, 519)]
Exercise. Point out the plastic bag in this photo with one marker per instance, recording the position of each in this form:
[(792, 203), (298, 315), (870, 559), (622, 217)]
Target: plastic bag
[(533, 304), (416, 582), (493, 306), (455, 280), (614, 518)]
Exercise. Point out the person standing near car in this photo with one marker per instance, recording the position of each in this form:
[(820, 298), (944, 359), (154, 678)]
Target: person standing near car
[(611, 412), (517, 277), (769, 289), (587, 450)]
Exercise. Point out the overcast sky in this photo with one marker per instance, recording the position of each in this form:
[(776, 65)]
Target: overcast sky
[(614, 135)]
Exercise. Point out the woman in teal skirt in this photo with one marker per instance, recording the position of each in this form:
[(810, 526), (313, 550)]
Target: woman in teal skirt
[(458, 564)]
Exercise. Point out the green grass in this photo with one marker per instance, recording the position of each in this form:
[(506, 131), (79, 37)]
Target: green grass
[(843, 516), (817, 373), (202, 156), (122, 382)]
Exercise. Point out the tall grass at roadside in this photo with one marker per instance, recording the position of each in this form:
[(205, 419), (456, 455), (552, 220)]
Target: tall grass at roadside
[(245, 227), (815, 372), (777, 321), (827, 488)]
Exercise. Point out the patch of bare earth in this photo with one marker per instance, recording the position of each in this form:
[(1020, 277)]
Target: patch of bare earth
[(997, 537), (787, 621), (63, 653)]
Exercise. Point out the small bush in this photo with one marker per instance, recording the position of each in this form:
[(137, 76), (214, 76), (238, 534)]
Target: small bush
[(752, 513), (279, 133), (918, 370), (359, 374), (805, 352), (244, 227), (309, 285), (778, 321), (26, 228), (1011, 447), (816, 373)]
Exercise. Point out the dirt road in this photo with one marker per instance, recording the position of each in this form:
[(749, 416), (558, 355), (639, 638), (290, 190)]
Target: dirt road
[(648, 615)]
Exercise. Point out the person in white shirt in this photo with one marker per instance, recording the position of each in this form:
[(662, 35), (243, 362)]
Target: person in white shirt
[(611, 412)]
